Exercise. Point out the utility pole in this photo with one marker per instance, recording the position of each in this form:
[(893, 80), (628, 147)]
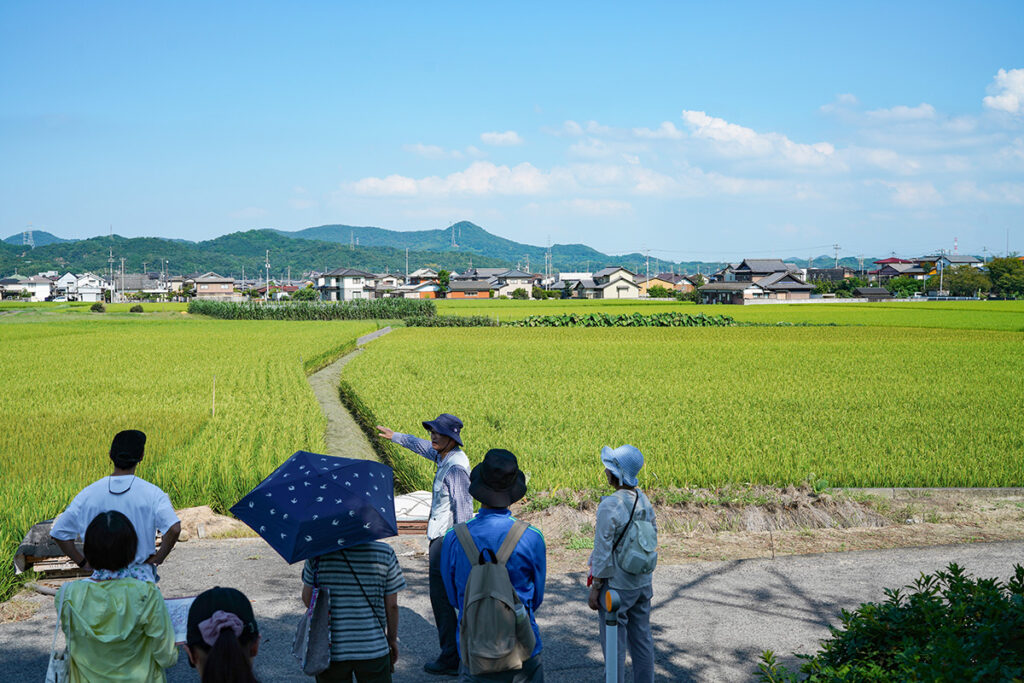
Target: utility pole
[(111, 272), (860, 258), (527, 263), (144, 266), (351, 240), (647, 253), (836, 248), (984, 254), (266, 295), (407, 265), (122, 274)]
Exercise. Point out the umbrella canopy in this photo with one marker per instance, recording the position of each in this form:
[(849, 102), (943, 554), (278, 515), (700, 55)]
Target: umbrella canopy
[(313, 504)]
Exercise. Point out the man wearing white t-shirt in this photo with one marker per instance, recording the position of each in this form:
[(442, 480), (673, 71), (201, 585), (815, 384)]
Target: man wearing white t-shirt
[(145, 504)]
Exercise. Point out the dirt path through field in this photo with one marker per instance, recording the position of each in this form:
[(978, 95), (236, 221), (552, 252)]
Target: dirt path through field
[(343, 436)]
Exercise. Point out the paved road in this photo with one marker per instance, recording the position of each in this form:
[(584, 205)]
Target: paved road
[(711, 619)]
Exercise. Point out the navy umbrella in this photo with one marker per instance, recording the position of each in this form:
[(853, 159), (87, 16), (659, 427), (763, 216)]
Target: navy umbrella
[(313, 504)]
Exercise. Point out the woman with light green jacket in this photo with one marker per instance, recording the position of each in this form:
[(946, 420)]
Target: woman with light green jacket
[(117, 626)]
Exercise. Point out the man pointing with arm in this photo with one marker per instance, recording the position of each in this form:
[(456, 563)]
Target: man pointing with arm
[(450, 504)]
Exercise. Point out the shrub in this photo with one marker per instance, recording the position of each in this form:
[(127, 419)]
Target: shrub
[(135, 309), (98, 307), (660, 292), (949, 627), (520, 293)]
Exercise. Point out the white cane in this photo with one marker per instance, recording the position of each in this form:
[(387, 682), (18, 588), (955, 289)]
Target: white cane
[(611, 636)]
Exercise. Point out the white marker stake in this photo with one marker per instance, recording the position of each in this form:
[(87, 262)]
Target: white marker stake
[(611, 636)]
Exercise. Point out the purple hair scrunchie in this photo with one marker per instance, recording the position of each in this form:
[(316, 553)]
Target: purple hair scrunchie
[(220, 620)]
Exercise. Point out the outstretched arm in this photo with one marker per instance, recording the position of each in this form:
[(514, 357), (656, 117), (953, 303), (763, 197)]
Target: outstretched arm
[(167, 542)]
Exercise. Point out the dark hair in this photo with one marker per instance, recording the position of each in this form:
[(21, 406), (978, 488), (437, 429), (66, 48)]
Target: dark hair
[(110, 541), (227, 661)]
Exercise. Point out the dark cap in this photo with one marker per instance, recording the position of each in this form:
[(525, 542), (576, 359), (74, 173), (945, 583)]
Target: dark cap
[(446, 424), (220, 599), (497, 482), (128, 447)]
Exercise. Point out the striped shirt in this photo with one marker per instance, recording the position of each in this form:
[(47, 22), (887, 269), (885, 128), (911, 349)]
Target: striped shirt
[(357, 629)]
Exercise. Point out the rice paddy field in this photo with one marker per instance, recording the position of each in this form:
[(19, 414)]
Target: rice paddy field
[(917, 394), (854, 406), (68, 383)]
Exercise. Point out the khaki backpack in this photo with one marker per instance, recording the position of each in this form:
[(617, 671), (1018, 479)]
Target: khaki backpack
[(495, 633)]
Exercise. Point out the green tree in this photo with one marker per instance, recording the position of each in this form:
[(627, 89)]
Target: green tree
[(960, 281), (520, 293), (307, 293), (1007, 276), (539, 293), (903, 286), (698, 280), (444, 279), (660, 292)]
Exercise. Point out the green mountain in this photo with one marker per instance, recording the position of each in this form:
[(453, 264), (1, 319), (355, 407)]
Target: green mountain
[(226, 255), (469, 237), (41, 238)]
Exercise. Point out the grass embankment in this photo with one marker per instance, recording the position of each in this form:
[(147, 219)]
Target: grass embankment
[(69, 385)]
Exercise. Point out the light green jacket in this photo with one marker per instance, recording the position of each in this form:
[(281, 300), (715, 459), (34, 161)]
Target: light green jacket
[(117, 630)]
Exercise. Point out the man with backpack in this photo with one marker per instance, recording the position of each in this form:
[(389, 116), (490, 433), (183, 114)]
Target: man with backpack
[(623, 559), (494, 569)]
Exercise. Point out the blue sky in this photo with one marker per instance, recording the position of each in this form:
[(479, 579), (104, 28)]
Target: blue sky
[(703, 131)]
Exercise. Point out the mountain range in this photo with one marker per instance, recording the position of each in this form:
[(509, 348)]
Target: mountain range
[(326, 247)]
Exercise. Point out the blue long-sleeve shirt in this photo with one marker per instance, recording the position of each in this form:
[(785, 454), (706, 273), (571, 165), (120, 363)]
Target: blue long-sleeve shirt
[(527, 566), (456, 482)]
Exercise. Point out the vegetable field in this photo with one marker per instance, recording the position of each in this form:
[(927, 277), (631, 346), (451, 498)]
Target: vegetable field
[(981, 315), (69, 385), (855, 406)]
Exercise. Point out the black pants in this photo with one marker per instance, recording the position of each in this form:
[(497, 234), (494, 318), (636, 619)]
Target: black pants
[(365, 671), (444, 614)]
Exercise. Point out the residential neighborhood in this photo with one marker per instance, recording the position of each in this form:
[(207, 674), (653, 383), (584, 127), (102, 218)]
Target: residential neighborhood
[(749, 281)]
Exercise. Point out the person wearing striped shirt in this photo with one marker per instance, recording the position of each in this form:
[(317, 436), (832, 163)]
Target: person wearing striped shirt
[(364, 582), (450, 504)]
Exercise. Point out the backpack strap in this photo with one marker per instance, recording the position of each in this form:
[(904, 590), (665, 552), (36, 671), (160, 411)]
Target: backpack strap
[(468, 546), (511, 540), (626, 528)]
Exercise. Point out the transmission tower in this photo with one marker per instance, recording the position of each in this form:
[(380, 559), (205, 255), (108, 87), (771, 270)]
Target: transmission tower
[(27, 238), (835, 247)]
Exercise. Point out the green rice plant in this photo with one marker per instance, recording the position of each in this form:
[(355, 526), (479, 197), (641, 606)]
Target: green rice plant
[(222, 403), (850, 406)]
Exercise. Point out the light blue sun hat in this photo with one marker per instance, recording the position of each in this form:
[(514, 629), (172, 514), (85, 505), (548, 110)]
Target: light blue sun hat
[(624, 462)]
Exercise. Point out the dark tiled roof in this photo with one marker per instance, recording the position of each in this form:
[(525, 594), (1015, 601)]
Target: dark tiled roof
[(349, 272), (469, 286), (771, 265), (871, 291), (787, 281), (728, 286), (512, 273)]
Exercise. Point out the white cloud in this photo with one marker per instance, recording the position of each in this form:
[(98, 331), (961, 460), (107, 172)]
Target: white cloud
[(301, 204), (1008, 87), (572, 128), (666, 131), (597, 207), (842, 102), (736, 140), (481, 178), (914, 194), (506, 139), (904, 113)]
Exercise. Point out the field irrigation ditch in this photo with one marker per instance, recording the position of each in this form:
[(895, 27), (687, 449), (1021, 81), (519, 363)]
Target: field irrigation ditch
[(913, 394)]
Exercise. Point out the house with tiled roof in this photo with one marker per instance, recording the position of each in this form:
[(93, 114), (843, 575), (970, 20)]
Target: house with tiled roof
[(615, 282), (345, 284), (508, 281), (469, 289), (732, 292), (785, 285), (211, 286)]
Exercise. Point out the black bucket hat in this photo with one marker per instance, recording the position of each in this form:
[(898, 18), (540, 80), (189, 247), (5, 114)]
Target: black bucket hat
[(446, 424), (497, 482), (128, 447)]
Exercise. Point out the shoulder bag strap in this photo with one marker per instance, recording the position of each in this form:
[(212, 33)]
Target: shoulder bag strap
[(625, 528), (511, 540), (56, 630), (366, 597)]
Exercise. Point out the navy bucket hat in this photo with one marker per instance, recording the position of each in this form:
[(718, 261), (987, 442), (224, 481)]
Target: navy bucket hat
[(446, 424)]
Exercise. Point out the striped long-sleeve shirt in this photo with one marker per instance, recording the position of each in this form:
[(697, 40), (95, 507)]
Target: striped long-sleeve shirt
[(456, 481)]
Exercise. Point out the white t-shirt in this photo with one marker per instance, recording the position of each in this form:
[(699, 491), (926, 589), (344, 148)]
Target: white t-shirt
[(146, 505)]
